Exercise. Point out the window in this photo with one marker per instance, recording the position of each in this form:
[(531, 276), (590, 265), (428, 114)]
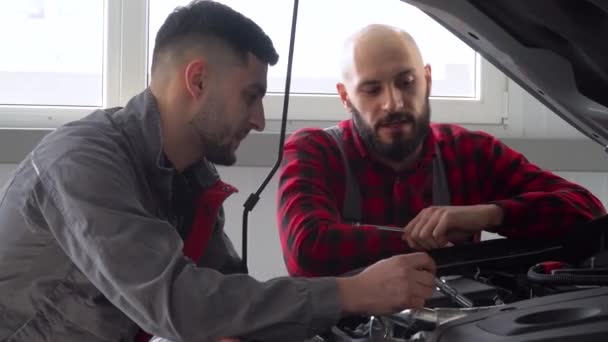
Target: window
[(52, 55), (41, 63), (63, 58), (458, 82)]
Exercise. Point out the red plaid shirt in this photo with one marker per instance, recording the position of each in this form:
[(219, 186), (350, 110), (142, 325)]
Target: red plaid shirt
[(479, 169)]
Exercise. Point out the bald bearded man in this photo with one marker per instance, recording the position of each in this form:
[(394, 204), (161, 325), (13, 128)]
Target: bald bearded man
[(389, 165)]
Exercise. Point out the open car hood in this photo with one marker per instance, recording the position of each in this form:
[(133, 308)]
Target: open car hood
[(556, 50)]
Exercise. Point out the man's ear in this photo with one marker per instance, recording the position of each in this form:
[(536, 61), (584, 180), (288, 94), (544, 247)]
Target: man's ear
[(341, 88), (428, 77), (195, 75)]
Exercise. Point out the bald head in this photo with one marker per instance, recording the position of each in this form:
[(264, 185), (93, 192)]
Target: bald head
[(386, 87), (376, 44)]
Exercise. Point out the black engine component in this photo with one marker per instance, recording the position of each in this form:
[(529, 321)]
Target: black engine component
[(578, 316), (568, 303)]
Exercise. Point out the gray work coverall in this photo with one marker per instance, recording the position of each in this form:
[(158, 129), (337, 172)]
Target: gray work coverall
[(91, 248)]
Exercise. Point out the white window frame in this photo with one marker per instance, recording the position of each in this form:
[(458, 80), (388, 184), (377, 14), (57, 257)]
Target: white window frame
[(124, 70), (125, 75), (488, 108)]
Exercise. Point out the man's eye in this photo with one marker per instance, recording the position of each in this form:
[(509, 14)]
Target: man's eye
[(371, 90), (251, 98), (406, 81)]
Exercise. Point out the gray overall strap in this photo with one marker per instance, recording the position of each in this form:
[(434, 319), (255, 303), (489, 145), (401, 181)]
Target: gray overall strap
[(441, 190), (351, 209)]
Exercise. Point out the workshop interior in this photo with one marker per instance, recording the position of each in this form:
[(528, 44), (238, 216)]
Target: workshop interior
[(539, 69)]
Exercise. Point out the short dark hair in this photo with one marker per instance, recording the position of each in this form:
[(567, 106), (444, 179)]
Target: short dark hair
[(204, 20)]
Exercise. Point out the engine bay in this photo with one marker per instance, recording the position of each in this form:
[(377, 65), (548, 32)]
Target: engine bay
[(521, 290)]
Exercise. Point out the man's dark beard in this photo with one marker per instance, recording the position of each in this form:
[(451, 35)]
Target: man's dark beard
[(401, 147), (215, 152), (220, 154)]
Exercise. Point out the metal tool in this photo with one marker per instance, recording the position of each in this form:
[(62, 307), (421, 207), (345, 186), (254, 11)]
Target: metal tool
[(444, 287), (434, 317), (451, 292), (380, 227)]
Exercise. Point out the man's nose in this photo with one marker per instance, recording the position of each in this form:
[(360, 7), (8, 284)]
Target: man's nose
[(393, 100), (258, 121)]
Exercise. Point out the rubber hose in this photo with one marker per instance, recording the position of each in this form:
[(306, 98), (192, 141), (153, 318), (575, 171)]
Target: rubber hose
[(566, 279)]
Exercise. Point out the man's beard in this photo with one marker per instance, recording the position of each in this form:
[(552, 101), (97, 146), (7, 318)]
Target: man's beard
[(220, 154), (401, 147), (207, 126)]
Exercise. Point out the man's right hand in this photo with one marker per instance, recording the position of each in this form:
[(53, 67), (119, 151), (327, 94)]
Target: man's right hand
[(389, 286)]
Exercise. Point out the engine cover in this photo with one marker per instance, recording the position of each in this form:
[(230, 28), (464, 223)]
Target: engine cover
[(576, 316)]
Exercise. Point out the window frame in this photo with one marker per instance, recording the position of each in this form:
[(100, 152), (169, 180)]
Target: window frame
[(487, 109), (125, 75)]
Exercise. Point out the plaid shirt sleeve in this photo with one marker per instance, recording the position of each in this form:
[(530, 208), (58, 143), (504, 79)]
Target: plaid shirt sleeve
[(536, 203), (314, 238)]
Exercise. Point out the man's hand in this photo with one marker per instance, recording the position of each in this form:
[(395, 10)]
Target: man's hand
[(434, 227), (389, 286)]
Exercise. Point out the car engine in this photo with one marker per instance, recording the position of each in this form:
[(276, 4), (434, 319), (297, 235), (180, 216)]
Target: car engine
[(521, 290)]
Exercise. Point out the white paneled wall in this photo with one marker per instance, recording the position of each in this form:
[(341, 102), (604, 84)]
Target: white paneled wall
[(529, 118), (537, 120)]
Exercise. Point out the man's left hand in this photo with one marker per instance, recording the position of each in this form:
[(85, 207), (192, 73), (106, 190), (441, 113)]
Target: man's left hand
[(434, 227)]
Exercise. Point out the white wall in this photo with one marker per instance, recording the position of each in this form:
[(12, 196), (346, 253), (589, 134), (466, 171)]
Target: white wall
[(528, 118)]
